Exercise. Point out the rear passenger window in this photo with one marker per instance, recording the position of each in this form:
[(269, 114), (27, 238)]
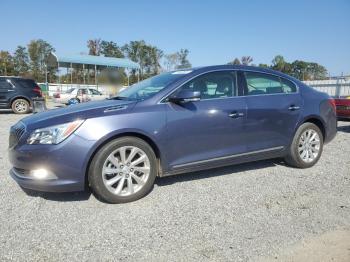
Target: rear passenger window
[(288, 86), (265, 84), (4, 84), (25, 83)]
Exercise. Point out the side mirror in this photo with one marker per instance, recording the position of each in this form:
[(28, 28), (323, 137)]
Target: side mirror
[(185, 96)]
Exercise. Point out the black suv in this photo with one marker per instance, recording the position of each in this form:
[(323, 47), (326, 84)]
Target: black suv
[(17, 93)]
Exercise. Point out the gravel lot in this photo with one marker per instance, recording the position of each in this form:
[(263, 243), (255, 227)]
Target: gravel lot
[(250, 212)]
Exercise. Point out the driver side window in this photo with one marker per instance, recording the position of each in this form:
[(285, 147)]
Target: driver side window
[(213, 85)]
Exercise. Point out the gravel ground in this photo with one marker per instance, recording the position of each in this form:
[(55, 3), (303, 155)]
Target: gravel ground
[(240, 213)]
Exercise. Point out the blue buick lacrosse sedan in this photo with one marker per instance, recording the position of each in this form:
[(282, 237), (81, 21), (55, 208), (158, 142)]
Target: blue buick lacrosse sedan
[(176, 122)]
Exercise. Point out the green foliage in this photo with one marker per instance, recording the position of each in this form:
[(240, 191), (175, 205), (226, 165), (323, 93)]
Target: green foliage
[(177, 60), (6, 63), (147, 56), (245, 60), (21, 61), (299, 69), (111, 49), (184, 63), (39, 51)]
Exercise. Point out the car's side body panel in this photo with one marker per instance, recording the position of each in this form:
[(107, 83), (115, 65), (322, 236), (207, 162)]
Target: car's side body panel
[(203, 130), (186, 137)]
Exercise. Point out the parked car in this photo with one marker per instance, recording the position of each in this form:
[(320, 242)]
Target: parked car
[(80, 94), (173, 123), (17, 93), (343, 108)]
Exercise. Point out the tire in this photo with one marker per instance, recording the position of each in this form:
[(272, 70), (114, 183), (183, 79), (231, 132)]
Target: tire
[(113, 180), (20, 106), (306, 148)]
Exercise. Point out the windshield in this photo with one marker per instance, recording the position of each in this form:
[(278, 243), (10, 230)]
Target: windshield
[(151, 86)]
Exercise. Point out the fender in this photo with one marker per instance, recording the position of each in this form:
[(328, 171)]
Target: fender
[(120, 133)]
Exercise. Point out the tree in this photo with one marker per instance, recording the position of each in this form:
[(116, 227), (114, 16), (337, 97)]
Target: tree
[(246, 60), (39, 51), (299, 69), (278, 63), (110, 49), (177, 60), (316, 71), (264, 65), (147, 56), (21, 61), (235, 62), (6, 63), (155, 55), (171, 61), (94, 46), (183, 61)]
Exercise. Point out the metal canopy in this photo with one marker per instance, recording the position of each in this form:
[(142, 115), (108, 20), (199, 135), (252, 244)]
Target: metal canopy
[(91, 61)]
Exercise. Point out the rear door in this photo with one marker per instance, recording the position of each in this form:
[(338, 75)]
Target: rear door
[(273, 110), (6, 92), (203, 131)]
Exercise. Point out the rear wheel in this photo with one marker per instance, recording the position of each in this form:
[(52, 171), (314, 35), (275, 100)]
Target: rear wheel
[(20, 106), (307, 146), (123, 170)]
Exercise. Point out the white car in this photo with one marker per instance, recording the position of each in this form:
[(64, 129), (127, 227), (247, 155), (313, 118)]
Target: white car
[(81, 94)]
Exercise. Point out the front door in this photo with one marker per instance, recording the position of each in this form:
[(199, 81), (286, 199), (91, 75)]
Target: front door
[(273, 111), (210, 128)]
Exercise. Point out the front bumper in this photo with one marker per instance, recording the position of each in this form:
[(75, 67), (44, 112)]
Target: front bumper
[(66, 163)]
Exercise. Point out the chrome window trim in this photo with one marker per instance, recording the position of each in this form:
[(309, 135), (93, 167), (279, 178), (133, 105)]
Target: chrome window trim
[(161, 101)]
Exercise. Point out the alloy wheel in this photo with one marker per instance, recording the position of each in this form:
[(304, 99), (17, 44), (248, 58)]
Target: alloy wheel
[(309, 145), (21, 106), (126, 170)]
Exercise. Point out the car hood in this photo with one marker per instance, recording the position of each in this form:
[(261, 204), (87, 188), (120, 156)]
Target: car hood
[(78, 111)]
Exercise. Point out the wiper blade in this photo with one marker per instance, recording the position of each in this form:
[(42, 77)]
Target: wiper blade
[(119, 98)]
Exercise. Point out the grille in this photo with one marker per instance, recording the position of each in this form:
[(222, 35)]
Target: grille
[(16, 132), (341, 107)]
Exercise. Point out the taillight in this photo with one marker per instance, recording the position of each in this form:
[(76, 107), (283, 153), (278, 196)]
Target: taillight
[(332, 103), (37, 90)]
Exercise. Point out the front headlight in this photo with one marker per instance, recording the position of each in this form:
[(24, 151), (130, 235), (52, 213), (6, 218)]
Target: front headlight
[(54, 134)]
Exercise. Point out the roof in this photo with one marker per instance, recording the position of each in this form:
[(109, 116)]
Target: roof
[(243, 68), (101, 61)]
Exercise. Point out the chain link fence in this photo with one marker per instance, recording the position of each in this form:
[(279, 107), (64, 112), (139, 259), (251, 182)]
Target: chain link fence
[(337, 87)]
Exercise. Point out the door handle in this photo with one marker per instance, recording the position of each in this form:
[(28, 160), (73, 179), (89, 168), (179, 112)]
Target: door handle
[(293, 108), (235, 114)]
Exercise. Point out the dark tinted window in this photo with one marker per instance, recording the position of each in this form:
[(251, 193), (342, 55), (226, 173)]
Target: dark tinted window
[(4, 84), (260, 84), (95, 92), (82, 91), (214, 85), (25, 83)]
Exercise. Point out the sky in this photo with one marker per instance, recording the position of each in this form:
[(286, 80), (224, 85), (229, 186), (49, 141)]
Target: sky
[(215, 32)]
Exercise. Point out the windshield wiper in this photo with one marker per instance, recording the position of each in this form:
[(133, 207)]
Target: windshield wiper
[(119, 98)]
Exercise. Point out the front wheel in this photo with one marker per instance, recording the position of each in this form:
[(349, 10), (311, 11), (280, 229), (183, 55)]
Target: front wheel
[(123, 170), (307, 146)]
